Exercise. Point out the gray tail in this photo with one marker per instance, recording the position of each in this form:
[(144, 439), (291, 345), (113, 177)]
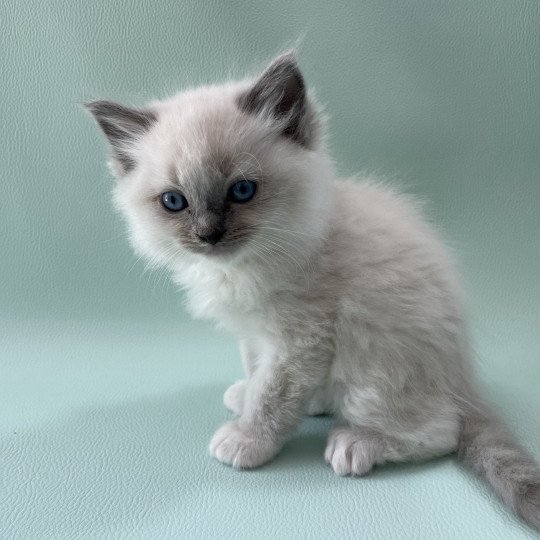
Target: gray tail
[(486, 447)]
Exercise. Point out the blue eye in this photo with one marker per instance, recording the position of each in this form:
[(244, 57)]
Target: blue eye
[(243, 191), (174, 201)]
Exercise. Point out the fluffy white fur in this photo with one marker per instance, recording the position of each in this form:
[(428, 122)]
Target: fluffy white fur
[(343, 298)]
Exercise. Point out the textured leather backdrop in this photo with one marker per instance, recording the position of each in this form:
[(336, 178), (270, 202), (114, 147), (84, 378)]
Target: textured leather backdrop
[(109, 394)]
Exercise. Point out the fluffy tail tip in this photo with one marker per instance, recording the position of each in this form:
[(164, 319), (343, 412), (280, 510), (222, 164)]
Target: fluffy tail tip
[(490, 450), (527, 504)]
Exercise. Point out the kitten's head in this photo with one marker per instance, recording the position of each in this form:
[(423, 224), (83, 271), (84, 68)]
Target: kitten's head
[(221, 173)]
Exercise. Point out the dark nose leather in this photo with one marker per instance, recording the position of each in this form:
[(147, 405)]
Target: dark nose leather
[(212, 238)]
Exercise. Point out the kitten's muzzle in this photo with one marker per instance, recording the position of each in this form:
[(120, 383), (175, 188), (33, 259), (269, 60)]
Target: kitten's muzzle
[(212, 237)]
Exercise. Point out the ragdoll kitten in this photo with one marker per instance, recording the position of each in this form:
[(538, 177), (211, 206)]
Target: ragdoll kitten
[(343, 298)]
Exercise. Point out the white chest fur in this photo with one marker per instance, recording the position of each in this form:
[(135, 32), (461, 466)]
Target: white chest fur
[(230, 297)]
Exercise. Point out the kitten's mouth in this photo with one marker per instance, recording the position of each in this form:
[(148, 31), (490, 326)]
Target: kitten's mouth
[(217, 250), (228, 247)]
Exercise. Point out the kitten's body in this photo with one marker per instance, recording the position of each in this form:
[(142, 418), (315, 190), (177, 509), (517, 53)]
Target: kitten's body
[(342, 297), (385, 297)]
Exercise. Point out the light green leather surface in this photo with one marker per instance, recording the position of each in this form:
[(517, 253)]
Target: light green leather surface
[(109, 394)]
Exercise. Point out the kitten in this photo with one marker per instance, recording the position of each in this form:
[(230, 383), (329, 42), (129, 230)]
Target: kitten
[(343, 299)]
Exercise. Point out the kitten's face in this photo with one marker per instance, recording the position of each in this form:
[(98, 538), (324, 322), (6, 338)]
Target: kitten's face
[(221, 172)]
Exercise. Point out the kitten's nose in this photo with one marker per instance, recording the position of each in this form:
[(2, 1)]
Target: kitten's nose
[(214, 237)]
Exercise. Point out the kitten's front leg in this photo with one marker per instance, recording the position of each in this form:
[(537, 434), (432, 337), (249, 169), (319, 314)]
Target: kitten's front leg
[(233, 398), (274, 403), (249, 352)]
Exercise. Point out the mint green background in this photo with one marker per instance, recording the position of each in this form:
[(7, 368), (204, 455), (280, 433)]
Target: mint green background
[(109, 393)]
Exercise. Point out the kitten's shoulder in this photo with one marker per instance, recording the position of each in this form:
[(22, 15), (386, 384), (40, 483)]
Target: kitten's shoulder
[(365, 201), (376, 193), (379, 215)]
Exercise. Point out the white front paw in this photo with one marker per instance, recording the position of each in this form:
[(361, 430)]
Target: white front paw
[(234, 447), (234, 397)]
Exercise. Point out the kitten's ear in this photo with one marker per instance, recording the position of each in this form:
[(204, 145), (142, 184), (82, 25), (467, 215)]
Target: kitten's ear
[(122, 126), (280, 93)]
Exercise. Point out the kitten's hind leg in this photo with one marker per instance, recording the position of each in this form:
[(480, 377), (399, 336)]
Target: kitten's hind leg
[(354, 450)]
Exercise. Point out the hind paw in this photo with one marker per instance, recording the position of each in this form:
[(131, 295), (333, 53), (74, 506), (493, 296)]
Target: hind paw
[(352, 452)]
